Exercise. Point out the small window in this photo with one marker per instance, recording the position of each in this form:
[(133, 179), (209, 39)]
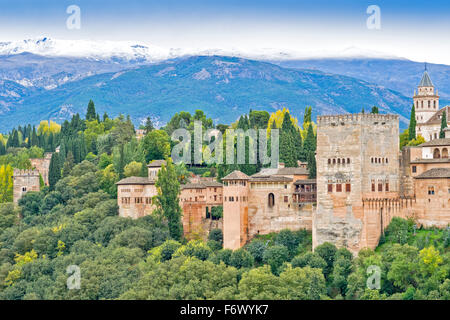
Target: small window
[(386, 187), (348, 187), (286, 198), (339, 187), (414, 169), (380, 187), (329, 161), (271, 200), (373, 187), (431, 190), (330, 188), (348, 160)]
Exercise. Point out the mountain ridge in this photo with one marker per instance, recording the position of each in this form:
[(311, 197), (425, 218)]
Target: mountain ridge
[(211, 83)]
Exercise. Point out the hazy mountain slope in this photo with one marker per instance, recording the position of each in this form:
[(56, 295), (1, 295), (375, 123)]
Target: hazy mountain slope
[(223, 87), (400, 75)]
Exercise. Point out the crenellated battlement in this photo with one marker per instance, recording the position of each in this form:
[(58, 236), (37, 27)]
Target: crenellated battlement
[(355, 118), (25, 172)]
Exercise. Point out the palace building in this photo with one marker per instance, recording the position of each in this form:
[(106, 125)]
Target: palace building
[(363, 181)]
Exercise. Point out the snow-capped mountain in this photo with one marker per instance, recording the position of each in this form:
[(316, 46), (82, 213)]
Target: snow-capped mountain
[(102, 50), (145, 52)]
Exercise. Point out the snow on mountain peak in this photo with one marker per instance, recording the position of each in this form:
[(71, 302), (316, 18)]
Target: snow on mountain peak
[(86, 49), (144, 52)]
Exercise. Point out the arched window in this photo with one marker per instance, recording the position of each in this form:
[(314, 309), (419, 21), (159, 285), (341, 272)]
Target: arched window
[(334, 161), (348, 160), (271, 200), (445, 153), (436, 154), (329, 161), (339, 161)]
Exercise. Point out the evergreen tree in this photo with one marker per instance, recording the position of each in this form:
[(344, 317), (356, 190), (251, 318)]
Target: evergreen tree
[(68, 164), (105, 116), (148, 126), (2, 149), (54, 172), (167, 200), (374, 110), (443, 123), (144, 170), (363, 111), (91, 114), (312, 165), (288, 154), (310, 141), (307, 115), (34, 138), (412, 124)]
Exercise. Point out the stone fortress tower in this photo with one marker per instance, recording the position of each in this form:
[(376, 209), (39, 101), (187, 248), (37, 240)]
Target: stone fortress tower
[(24, 181), (235, 210), (357, 162)]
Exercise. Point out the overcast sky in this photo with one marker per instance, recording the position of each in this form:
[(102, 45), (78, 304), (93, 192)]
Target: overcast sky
[(417, 30)]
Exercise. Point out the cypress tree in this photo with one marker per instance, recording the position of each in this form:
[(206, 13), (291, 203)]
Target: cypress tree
[(312, 165), (91, 114), (54, 172), (412, 124), (2, 148), (167, 200), (288, 154), (443, 123), (68, 164)]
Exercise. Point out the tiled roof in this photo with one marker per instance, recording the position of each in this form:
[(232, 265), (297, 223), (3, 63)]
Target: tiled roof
[(436, 118), (270, 179), (201, 185), (292, 171), (236, 175), (193, 186), (426, 81), (436, 143), (136, 180), (156, 163), (212, 184), (305, 181), (435, 173)]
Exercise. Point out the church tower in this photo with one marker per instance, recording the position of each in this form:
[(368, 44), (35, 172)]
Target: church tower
[(426, 101)]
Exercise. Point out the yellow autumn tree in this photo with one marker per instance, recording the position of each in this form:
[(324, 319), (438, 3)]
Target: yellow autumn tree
[(277, 118), (47, 127), (6, 184)]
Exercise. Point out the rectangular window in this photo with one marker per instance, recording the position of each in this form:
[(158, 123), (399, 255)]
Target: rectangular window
[(414, 169), (373, 187), (286, 198), (339, 187), (431, 190), (380, 187), (330, 188), (387, 187), (348, 187)]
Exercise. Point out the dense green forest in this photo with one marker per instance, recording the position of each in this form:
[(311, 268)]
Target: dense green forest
[(74, 222)]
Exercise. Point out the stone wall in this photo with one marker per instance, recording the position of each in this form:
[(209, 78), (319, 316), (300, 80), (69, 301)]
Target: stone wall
[(23, 182)]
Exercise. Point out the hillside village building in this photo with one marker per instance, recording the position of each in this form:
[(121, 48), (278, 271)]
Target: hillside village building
[(24, 181)]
